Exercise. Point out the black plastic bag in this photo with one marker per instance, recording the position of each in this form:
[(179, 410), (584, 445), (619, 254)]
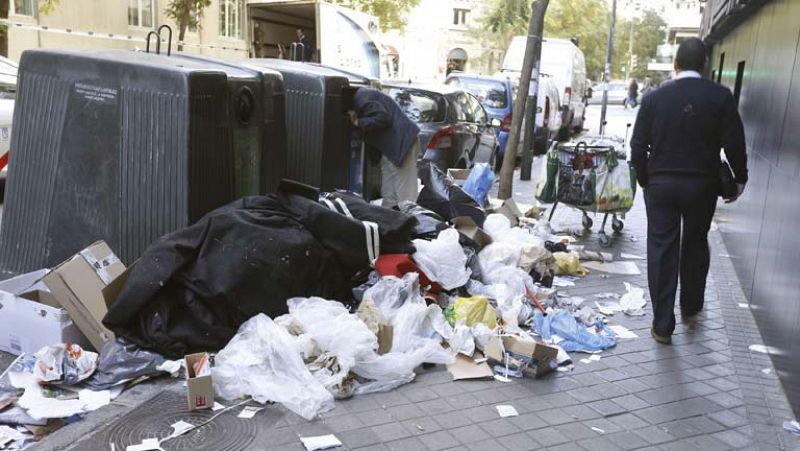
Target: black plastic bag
[(429, 224), (121, 361), (440, 195)]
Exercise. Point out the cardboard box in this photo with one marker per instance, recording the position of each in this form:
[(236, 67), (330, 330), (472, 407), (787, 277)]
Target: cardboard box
[(459, 176), (199, 388), (385, 334), (510, 210), (534, 358), (466, 368), (466, 225), (78, 284), (30, 317)]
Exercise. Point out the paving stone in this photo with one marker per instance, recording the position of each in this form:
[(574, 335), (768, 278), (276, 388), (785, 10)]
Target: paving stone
[(390, 432), (606, 408), (528, 421), (421, 426), (626, 440), (655, 435), (358, 438), (469, 434), (576, 431), (499, 427), (548, 437), (517, 442), (438, 440), (452, 420), (733, 438), (406, 444)]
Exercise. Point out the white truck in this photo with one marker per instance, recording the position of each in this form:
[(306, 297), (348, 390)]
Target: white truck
[(564, 61), (339, 37)]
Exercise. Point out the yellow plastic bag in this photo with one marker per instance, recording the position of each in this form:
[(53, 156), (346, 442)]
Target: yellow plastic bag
[(475, 310), (569, 264)]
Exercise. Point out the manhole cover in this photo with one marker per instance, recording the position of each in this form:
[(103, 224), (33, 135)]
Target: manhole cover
[(153, 420)]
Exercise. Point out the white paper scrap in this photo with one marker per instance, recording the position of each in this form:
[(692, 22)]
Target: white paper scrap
[(759, 348), (94, 400), (608, 307), (320, 442), (9, 434), (562, 282), (631, 256), (624, 268), (586, 361), (607, 296), (594, 357), (148, 444), (501, 378), (622, 331), (632, 302), (596, 429), (743, 305), (249, 412), (180, 427), (766, 370), (506, 411), (479, 361), (217, 406)]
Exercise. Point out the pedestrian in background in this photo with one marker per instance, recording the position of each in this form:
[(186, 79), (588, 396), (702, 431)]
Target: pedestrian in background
[(675, 149), (306, 49), (387, 129), (633, 93)]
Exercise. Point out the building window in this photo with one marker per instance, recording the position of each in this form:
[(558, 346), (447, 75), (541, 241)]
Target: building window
[(140, 13), (737, 88), (231, 18), (25, 7), (460, 17)]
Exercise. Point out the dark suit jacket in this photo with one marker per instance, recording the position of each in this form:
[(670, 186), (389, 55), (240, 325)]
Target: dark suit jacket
[(681, 127), (386, 127), (308, 49)]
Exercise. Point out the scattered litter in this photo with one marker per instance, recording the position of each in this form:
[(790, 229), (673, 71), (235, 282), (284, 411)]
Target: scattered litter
[(577, 338), (632, 302), (465, 368), (9, 435), (792, 426), (744, 305), (217, 406), (622, 331), (596, 429), (506, 411), (65, 364), (594, 357), (94, 400), (586, 361), (607, 296), (608, 307), (501, 378), (623, 268), (631, 256), (320, 442), (480, 360), (249, 412), (633, 239), (766, 370), (759, 348), (148, 444), (180, 427), (563, 282), (726, 255)]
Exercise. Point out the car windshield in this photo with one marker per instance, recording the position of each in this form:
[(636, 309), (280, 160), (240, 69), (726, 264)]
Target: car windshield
[(8, 91), (617, 87), (491, 93), (419, 106)]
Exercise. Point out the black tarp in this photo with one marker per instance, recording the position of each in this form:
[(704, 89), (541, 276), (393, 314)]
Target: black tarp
[(440, 195), (192, 289)]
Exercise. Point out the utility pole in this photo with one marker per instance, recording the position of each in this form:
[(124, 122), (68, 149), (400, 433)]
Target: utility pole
[(607, 71), (528, 86), (630, 51)]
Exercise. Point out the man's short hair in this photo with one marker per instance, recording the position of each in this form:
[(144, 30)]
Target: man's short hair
[(691, 55), (301, 30)]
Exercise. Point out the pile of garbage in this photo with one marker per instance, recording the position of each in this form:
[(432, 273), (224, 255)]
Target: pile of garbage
[(302, 298)]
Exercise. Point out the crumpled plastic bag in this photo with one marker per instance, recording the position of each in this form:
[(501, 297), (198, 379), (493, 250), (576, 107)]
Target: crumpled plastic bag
[(443, 260), (577, 337), (498, 255), (260, 361), (476, 309), (569, 264), (64, 364), (429, 224), (632, 302), (120, 362), (462, 341), (390, 293), (479, 182), (440, 195), (481, 333)]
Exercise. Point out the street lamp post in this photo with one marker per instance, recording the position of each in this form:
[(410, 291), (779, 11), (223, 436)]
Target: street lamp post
[(607, 71)]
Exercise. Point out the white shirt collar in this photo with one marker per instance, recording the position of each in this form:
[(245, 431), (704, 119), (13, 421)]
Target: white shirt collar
[(688, 74)]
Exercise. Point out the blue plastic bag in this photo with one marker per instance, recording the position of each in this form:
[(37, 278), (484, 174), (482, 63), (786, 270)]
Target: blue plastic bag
[(479, 182), (576, 337)]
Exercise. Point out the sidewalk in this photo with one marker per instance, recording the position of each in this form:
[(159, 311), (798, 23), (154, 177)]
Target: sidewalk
[(705, 392)]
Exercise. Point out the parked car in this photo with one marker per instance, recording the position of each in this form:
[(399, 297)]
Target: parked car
[(564, 61), (617, 91), (455, 129), (497, 94), (8, 94)]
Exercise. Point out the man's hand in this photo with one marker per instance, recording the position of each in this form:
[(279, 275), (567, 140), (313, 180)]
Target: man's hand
[(353, 117), (738, 194)]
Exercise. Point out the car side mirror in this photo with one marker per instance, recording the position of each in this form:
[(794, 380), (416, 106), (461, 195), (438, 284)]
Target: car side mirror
[(496, 122)]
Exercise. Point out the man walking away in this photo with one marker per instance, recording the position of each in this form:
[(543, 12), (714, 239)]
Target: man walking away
[(633, 93), (387, 129), (675, 149), (306, 50)]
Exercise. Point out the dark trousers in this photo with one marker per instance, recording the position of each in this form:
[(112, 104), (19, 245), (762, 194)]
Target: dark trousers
[(675, 202)]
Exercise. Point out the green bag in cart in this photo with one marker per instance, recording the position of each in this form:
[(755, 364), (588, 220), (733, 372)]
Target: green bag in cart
[(546, 186)]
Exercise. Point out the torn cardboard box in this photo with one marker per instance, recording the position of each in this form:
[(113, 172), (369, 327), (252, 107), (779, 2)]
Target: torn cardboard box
[(467, 227), (31, 318), (510, 210), (533, 358), (459, 176), (465, 368), (78, 284), (199, 387)]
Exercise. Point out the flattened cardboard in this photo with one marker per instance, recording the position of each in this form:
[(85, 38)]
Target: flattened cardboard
[(523, 346), (510, 210), (27, 326), (385, 334), (78, 285), (466, 225), (199, 390), (465, 368), (459, 176)]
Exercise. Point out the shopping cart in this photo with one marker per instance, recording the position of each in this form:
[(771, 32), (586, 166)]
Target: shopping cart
[(593, 178)]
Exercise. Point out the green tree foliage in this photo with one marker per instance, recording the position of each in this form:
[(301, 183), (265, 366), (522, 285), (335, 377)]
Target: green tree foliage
[(648, 33), (391, 13), (186, 13), (586, 20)]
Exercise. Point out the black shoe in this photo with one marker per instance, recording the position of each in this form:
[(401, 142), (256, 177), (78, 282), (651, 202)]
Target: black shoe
[(690, 317), (663, 339)]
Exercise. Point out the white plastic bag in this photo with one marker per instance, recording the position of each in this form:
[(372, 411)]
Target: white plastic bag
[(498, 255), (443, 260), (390, 293), (260, 361), (462, 341), (632, 302), (64, 364), (481, 333)]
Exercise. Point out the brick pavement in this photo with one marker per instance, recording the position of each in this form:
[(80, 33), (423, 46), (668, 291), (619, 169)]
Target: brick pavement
[(705, 392)]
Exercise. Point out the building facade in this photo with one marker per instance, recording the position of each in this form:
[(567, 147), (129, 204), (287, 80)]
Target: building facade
[(683, 18), (223, 25), (756, 53)]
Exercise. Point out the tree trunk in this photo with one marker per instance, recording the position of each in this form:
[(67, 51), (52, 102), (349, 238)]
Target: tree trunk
[(4, 5), (184, 23), (535, 28)]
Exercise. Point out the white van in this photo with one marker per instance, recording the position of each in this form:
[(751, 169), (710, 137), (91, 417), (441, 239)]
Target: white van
[(564, 62)]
